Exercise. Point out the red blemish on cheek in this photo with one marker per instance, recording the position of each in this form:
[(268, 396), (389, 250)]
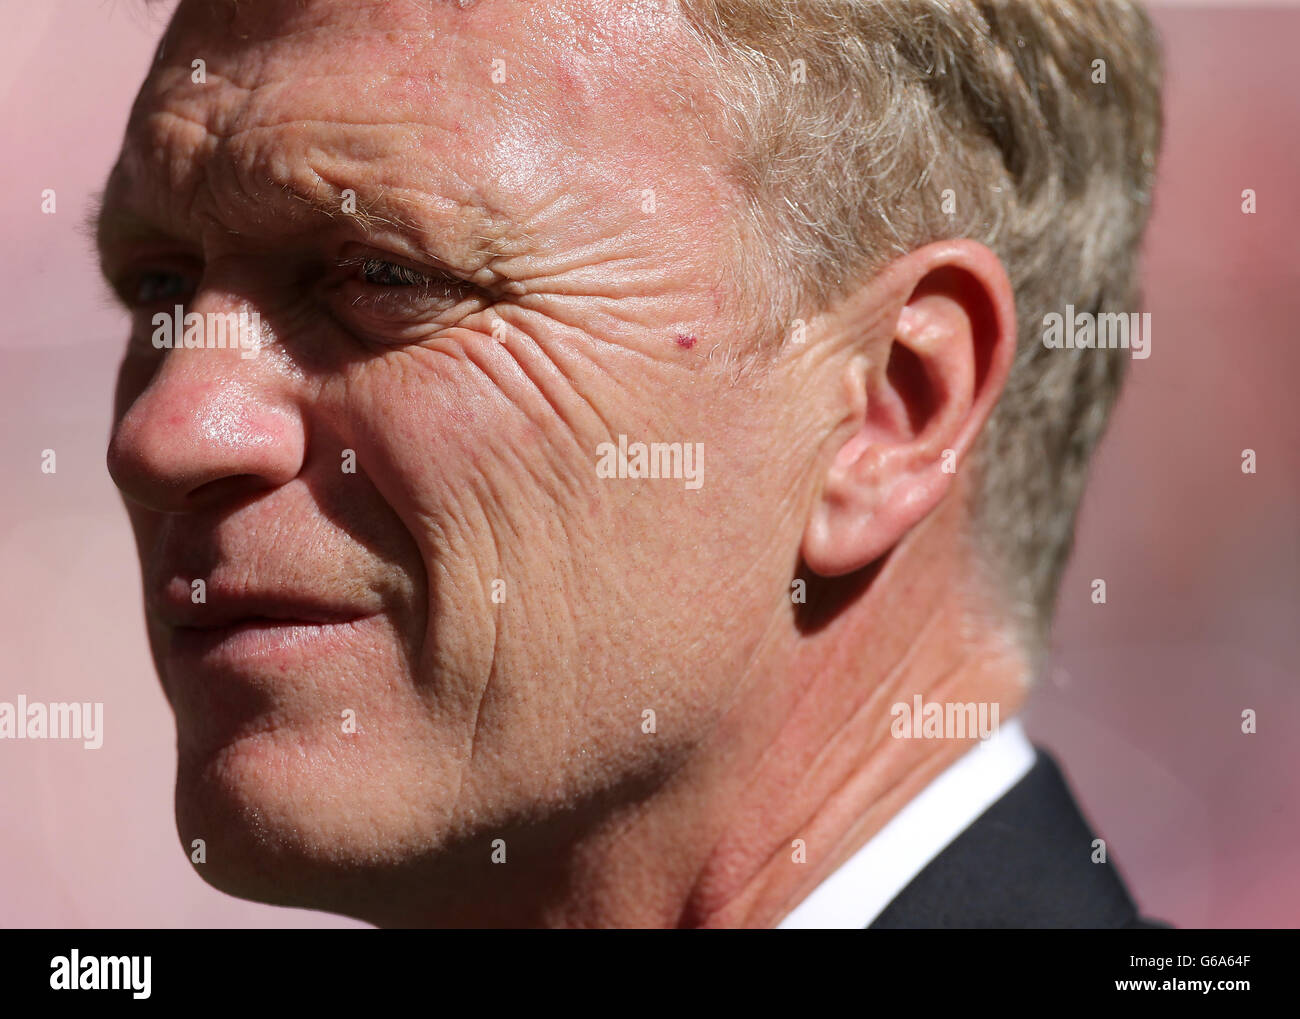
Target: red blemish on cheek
[(684, 341)]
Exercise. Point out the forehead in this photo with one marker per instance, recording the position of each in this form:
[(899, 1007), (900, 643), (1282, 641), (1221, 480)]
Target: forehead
[(482, 110)]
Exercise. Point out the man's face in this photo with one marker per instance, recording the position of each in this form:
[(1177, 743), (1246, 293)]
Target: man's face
[(395, 507)]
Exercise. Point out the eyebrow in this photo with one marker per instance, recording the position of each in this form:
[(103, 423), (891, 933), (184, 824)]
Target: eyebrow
[(88, 225), (105, 221), (374, 210), (331, 208)]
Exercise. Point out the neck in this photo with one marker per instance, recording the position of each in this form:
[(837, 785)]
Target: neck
[(835, 770), (807, 751)]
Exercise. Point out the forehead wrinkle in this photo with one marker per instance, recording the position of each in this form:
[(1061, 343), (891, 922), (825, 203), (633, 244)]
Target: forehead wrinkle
[(239, 167), (338, 37), (594, 31), (350, 153), (378, 208)]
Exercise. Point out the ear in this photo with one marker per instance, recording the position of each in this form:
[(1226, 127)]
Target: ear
[(913, 396)]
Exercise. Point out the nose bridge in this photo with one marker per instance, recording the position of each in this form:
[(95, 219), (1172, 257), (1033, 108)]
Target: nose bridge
[(218, 409), (216, 323)]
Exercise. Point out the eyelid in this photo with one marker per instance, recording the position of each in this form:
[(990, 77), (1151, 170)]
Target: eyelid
[(356, 256), (355, 261), (387, 308), (122, 259)]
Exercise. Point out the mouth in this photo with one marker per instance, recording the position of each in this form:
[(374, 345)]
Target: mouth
[(260, 637), (231, 627)]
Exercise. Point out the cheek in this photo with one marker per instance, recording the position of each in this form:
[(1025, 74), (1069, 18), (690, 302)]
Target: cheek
[(474, 484), (455, 449)]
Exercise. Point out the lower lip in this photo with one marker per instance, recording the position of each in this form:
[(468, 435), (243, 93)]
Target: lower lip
[(262, 639)]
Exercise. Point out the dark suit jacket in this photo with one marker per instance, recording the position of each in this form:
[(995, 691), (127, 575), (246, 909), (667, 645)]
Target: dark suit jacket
[(1025, 862)]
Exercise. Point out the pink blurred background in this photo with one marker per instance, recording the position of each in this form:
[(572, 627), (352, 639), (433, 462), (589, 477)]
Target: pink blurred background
[(1143, 702)]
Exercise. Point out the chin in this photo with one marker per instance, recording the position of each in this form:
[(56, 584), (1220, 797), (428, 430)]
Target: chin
[(287, 820)]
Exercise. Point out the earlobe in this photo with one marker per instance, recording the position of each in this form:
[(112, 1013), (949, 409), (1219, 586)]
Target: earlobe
[(854, 524), (913, 410)]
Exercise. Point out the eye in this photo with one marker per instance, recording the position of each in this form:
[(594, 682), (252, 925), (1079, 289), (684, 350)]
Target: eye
[(396, 301), (380, 273), (157, 285)]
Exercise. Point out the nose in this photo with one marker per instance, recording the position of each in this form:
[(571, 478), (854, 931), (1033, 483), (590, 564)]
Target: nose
[(211, 425)]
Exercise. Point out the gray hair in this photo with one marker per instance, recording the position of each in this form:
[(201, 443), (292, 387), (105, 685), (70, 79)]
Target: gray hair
[(1051, 168)]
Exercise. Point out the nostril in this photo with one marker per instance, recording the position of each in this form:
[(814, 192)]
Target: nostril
[(230, 490)]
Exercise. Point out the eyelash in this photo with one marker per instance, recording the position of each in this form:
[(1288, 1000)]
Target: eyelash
[(415, 295), (152, 275), (422, 281), (401, 278), (407, 277)]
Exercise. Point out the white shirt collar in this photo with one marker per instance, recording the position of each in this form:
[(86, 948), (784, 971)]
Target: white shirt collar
[(859, 890)]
